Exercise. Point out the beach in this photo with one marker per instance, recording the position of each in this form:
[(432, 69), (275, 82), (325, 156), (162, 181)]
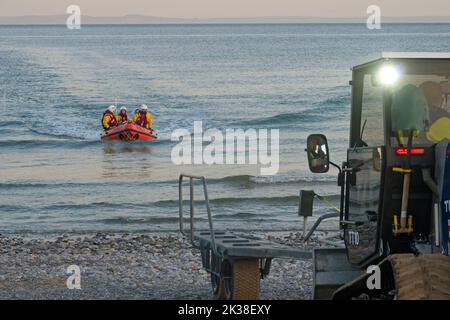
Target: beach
[(132, 266)]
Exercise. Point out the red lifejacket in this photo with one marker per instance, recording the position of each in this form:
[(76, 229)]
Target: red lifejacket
[(123, 118), (142, 120), (112, 121)]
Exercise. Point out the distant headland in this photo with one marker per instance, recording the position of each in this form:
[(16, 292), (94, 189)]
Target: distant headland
[(143, 19)]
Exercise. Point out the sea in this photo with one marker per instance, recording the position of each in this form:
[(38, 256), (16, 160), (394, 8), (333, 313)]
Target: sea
[(57, 176)]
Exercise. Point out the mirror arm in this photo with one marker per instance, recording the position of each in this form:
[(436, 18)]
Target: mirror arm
[(336, 166)]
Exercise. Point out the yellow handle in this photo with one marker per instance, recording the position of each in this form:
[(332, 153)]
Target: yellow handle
[(410, 224), (395, 224), (401, 170)]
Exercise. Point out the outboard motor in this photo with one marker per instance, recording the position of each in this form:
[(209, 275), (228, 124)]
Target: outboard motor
[(442, 173)]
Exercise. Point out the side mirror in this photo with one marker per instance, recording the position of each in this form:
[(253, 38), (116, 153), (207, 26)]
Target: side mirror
[(318, 154)]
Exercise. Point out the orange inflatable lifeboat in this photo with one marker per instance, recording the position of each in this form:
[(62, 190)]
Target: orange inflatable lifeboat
[(128, 132)]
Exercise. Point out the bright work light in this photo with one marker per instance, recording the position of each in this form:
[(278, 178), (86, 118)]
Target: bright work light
[(388, 75)]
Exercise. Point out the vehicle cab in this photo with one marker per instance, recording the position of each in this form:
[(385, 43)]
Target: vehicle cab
[(400, 112)]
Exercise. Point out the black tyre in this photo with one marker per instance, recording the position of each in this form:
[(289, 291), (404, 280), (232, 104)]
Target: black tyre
[(216, 280)]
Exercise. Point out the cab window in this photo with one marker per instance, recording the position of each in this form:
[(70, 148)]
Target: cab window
[(372, 113)]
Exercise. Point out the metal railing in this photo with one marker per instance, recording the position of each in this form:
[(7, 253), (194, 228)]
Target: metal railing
[(318, 222), (191, 234)]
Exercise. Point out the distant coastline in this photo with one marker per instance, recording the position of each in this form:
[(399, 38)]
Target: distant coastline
[(141, 19)]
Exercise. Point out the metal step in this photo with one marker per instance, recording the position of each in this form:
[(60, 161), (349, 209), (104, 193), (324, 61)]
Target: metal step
[(331, 271)]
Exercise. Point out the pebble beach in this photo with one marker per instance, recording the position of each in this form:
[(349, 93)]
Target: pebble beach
[(132, 266)]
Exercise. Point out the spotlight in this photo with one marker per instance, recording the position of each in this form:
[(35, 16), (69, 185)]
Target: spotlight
[(388, 75)]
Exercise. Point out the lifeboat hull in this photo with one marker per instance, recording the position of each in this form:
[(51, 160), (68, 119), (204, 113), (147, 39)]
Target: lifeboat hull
[(128, 132)]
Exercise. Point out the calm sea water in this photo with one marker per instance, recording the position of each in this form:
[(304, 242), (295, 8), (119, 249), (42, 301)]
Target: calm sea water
[(57, 176)]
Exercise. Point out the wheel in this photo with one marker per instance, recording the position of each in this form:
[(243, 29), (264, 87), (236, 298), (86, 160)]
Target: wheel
[(241, 279), (216, 280)]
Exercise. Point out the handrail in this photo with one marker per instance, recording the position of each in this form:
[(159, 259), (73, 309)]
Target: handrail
[(191, 203), (318, 221)]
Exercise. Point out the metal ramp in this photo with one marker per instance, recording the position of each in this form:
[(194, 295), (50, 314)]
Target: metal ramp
[(229, 244)]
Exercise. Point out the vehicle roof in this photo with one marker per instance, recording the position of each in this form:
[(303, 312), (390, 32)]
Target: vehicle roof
[(415, 55), (407, 55)]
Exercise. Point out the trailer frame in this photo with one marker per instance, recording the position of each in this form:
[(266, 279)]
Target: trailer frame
[(235, 262)]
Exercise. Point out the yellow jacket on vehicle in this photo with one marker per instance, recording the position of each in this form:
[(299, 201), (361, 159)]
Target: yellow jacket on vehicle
[(143, 119), (439, 130)]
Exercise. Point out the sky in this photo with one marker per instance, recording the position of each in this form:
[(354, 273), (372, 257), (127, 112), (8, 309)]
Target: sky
[(204, 9)]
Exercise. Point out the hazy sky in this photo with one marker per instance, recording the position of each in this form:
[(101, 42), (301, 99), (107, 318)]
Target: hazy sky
[(228, 8)]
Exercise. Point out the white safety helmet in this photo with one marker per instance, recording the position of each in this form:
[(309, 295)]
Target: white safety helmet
[(143, 107), (112, 108), (123, 108)]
